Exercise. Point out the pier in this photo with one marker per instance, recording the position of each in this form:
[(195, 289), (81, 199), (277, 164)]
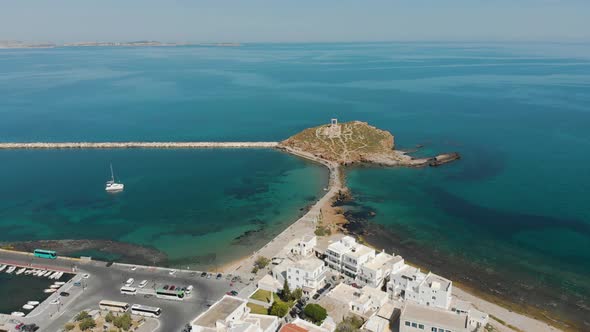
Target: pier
[(135, 145)]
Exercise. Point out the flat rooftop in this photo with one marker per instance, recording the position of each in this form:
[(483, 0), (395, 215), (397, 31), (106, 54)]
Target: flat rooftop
[(310, 264), (382, 259), (437, 317), (434, 280), (219, 311), (359, 250)]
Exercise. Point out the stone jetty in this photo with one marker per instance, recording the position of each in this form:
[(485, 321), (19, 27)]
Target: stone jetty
[(135, 145)]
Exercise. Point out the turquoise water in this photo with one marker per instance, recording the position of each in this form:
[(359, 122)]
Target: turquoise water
[(515, 207), (193, 205)]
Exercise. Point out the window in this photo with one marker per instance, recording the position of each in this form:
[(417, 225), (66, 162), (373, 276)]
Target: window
[(408, 324), (441, 330), (414, 325), (421, 326), (434, 329)]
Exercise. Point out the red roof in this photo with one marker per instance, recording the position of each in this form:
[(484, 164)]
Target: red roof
[(292, 328)]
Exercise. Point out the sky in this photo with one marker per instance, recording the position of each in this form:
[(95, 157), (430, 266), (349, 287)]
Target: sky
[(294, 21)]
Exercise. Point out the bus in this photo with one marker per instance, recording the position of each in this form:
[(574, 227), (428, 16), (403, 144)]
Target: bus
[(144, 310), (42, 253), (176, 294), (113, 306), (128, 290)]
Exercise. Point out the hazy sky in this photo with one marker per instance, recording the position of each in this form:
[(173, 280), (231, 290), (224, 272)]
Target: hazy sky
[(294, 21)]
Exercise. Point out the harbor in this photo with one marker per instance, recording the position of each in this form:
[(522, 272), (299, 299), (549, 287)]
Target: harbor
[(23, 287)]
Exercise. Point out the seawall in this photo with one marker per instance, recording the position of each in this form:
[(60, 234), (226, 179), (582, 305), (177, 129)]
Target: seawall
[(136, 145)]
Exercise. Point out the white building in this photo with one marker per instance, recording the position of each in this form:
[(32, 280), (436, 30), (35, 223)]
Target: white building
[(428, 289), (418, 318), (308, 274), (347, 256), (230, 314), (305, 246), (376, 270), (345, 299)]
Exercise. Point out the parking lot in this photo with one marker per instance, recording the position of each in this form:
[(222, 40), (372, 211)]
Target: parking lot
[(105, 282)]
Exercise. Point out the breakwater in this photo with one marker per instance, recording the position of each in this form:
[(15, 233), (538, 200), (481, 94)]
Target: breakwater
[(135, 145)]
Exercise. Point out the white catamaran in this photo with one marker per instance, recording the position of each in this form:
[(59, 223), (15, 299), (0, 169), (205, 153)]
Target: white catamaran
[(113, 186)]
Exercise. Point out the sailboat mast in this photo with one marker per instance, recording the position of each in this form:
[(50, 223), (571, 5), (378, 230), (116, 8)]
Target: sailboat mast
[(112, 173)]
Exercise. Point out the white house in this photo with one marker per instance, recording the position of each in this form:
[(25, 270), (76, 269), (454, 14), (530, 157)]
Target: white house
[(344, 299), (308, 274), (335, 252), (305, 246), (428, 289), (230, 314), (376, 270)]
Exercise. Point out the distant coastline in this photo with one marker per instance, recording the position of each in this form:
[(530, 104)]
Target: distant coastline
[(14, 44)]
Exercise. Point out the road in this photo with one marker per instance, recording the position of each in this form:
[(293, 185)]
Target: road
[(105, 283)]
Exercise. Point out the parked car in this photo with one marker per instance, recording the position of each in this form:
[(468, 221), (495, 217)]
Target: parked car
[(64, 294), (19, 326), (234, 293), (129, 282), (316, 296), (204, 274), (171, 272), (189, 289), (219, 276), (29, 328), (166, 287), (208, 275), (86, 276), (172, 287), (142, 283)]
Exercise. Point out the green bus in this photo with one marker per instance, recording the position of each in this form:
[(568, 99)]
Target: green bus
[(176, 294), (42, 253)]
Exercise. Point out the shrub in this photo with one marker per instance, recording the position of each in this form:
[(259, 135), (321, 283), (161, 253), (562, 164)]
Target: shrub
[(109, 317), (279, 309), (87, 324), (81, 316), (350, 324), (315, 312), (69, 326), (322, 231)]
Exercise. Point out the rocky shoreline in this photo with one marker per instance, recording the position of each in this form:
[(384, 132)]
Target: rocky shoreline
[(505, 288), (125, 252)]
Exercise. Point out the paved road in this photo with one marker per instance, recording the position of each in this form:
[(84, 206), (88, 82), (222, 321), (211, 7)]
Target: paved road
[(105, 283)]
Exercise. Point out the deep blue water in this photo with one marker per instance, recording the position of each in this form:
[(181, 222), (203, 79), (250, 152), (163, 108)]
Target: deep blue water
[(516, 203)]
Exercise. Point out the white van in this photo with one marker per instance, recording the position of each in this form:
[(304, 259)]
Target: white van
[(143, 283), (129, 282)]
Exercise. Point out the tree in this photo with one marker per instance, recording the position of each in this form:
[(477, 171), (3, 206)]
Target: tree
[(279, 309), (297, 294), (261, 262), (315, 312), (123, 321), (82, 315), (87, 324), (286, 293)]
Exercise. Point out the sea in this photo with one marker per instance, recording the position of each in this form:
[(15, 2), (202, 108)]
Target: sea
[(511, 218)]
